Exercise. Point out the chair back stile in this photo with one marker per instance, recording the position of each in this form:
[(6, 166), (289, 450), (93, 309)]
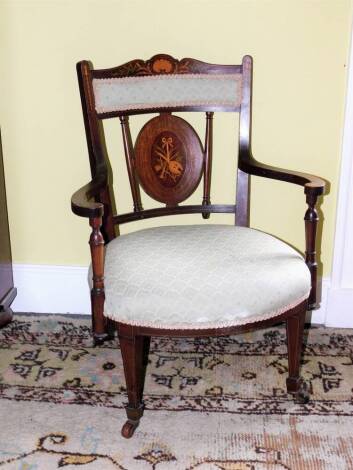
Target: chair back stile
[(97, 151), (243, 179), (167, 160)]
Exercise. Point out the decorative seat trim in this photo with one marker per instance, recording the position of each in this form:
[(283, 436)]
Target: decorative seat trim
[(212, 325)]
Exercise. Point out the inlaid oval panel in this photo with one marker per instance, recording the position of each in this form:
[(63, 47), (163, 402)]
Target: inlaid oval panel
[(169, 159)]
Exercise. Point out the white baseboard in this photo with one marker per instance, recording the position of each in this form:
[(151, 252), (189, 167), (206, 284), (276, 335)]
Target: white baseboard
[(64, 289), (318, 317), (51, 289), (340, 308)]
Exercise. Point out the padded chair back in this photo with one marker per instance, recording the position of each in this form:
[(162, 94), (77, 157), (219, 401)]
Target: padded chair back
[(168, 159)]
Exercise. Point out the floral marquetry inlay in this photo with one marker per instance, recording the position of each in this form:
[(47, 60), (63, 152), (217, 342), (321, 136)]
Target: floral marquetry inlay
[(163, 65), (169, 159), (159, 64)]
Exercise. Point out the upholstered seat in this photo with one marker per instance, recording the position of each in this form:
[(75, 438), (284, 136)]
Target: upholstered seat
[(201, 276)]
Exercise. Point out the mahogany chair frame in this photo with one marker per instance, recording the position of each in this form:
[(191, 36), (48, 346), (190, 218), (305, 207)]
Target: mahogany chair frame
[(94, 201)]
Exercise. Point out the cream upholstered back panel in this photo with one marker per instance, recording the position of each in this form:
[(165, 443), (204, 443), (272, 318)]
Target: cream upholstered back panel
[(167, 91)]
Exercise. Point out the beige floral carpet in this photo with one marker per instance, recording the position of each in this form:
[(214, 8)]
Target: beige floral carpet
[(211, 404)]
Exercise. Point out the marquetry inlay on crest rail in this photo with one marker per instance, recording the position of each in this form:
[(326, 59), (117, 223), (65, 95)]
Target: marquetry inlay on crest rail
[(163, 64)]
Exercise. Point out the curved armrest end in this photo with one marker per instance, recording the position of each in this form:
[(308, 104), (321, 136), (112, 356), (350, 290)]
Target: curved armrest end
[(316, 187), (87, 209), (81, 201)]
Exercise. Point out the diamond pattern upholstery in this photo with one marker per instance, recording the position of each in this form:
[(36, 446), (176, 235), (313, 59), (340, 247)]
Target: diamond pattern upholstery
[(121, 94), (201, 276)]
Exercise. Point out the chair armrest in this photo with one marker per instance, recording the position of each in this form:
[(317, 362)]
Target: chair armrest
[(81, 201), (313, 187), (312, 184)]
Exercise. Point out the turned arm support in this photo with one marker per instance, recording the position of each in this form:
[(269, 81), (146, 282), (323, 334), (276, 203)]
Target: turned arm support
[(311, 220), (313, 187), (81, 201), (82, 204), (96, 243)]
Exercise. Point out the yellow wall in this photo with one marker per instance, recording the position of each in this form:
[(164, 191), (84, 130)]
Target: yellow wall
[(300, 50)]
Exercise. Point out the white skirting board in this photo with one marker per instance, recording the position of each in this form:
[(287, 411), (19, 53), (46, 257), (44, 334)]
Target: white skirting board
[(340, 307), (51, 289), (318, 317), (64, 289)]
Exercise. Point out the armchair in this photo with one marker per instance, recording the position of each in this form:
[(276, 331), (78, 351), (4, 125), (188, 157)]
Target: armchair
[(196, 280)]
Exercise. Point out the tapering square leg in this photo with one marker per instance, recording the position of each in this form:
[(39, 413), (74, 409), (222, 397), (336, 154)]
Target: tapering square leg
[(134, 351), (295, 330)]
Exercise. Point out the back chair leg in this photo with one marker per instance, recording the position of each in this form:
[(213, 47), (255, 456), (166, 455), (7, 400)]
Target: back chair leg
[(110, 328), (146, 351), (295, 330), (134, 351)]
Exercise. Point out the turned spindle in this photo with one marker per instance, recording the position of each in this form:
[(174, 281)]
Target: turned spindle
[(208, 164), (96, 243), (129, 156), (311, 219)]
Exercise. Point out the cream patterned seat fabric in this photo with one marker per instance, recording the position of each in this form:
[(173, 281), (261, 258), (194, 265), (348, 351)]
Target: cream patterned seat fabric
[(201, 276)]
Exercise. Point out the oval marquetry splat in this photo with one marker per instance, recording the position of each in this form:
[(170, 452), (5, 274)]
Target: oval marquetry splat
[(169, 159)]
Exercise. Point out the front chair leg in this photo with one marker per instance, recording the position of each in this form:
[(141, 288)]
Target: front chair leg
[(295, 330), (134, 351), (99, 323)]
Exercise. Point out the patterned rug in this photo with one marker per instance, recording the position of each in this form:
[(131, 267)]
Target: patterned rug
[(212, 403)]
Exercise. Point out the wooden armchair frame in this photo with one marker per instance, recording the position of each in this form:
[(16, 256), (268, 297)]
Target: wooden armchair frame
[(94, 201)]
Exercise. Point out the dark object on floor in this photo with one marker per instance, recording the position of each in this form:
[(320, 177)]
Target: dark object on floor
[(195, 281), (7, 290)]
